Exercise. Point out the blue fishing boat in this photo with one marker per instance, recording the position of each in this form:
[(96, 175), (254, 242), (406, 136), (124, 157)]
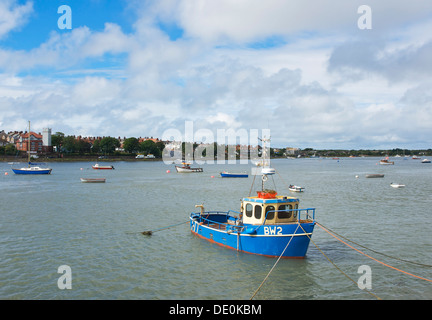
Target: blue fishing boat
[(267, 224), (234, 175)]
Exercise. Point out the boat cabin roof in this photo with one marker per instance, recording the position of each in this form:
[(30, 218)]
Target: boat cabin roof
[(276, 199)]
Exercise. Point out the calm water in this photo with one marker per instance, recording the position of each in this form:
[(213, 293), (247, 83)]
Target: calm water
[(54, 220)]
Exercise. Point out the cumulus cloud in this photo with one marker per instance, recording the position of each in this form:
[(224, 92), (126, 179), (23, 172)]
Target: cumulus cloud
[(325, 84), (13, 16)]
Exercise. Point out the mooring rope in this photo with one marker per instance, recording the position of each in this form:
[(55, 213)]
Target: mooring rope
[(268, 274), (384, 264), (377, 252), (340, 270), (150, 232)]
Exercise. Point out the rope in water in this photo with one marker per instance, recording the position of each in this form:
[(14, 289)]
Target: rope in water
[(150, 232), (268, 274), (340, 270), (384, 264), (377, 252)]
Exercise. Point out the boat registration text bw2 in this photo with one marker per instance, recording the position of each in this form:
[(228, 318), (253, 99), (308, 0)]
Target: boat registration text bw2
[(273, 230)]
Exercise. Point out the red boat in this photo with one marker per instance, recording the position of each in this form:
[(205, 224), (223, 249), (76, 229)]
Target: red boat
[(99, 167)]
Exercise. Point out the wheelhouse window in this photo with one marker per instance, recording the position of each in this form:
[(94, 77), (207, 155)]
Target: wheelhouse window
[(284, 211), (258, 211), (249, 210), (295, 212), (270, 212)]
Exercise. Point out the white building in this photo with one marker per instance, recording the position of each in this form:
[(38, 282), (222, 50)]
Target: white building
[(46, 137)]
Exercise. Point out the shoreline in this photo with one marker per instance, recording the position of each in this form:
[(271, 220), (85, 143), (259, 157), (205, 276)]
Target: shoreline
[(75, 159)]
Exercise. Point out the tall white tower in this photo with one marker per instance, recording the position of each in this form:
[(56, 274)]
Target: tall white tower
[(46, 137)]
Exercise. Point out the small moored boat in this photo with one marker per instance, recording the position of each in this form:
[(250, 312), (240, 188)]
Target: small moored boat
[(234, 175), (97, 166), (295, 188), (386, 161), (186, 168), (93, 180), (397, 185), (30, 169), (375, 175), (425, 161)]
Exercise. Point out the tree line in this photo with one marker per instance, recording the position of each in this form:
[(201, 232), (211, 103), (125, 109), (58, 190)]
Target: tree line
[(105, 145)]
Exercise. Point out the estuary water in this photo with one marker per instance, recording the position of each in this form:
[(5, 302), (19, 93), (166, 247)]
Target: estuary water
[(54, 220)]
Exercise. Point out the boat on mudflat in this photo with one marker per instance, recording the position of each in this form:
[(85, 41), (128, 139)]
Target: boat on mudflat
[(234, 175), (267, 224), (97, 166)]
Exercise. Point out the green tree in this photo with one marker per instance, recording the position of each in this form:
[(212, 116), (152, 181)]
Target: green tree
[(96, 146), (108, 144), (82, 146), (69, 144), (57, 140), (131, 145), (149, 147), (8, 149)]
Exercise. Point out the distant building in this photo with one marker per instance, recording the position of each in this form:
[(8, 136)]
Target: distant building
[(46, 137), (46, 140), (3, 138), (35, 140), (292, 151)]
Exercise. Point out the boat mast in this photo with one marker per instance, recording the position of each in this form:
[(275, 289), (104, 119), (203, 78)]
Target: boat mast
[(265, 169), (28, 146)]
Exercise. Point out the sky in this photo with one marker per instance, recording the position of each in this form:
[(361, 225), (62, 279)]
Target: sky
[(319, 74)]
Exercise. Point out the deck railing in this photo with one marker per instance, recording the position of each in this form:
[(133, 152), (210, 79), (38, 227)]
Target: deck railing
[(303, 214)]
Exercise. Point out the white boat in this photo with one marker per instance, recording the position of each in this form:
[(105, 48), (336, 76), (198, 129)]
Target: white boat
[(93, 180), (29, 169), (97, 166), (294, 188), (185, 168), (397, 185), (425, 161), (386, 161), (268, 171)]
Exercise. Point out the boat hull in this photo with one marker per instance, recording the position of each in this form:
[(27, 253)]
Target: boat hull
[(93, 180), (387, 162), (282, 240), (375, 175), (188, 170), (32, 170), (233, 175), (296, 189), (103, 167)]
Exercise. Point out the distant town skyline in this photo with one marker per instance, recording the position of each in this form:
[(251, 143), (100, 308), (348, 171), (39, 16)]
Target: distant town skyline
[(332, 74)]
